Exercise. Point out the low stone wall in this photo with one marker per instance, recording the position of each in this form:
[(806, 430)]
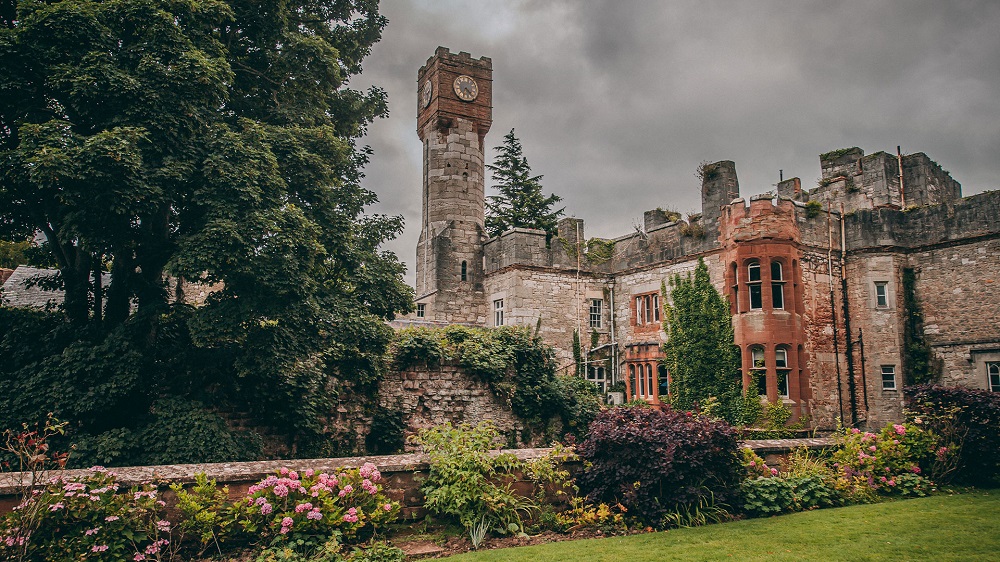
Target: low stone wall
[(401, 474)]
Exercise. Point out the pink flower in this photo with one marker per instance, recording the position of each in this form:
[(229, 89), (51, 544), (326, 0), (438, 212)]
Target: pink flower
[(283, 471), (387, 507), (111, 518), (93, 531), (303, 507), (314, 515), (139, 556), (56, 506), (753, 464), (891, 482), (280, 490), (774, 472), (915, 469), (309, 472), (855, 431), (900, 429), (99, 548), (293, 475), (286, 525), (266, 509), (163, 525), (873, 448), (260, 501)]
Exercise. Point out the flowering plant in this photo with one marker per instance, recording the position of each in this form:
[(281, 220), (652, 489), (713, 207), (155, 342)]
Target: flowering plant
[(877, 460), (92, 518), (313, 507)]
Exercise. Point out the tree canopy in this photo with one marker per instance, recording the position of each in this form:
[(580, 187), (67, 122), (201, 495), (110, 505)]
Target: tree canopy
[(520, 203), (700, 355), (207, 141)]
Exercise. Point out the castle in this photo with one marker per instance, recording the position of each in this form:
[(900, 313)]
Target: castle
[(831, 289)]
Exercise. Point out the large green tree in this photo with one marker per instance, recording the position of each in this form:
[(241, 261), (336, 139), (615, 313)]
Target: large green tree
[(700, 355), (520, 203), (209, 141)]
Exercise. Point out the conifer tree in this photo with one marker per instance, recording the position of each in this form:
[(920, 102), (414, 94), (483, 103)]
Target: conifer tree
[(700, 355), (520, 203)]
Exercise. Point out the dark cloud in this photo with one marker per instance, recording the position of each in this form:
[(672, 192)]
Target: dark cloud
[(617, 102)]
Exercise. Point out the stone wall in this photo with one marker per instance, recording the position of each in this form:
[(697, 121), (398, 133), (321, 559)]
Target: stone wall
[(401, 474), (430, 396)]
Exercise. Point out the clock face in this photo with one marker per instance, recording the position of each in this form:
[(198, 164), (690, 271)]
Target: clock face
[(466, 88), (425, 94)]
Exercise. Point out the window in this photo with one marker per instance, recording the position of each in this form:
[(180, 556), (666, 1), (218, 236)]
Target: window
[(596, 375), (633, 390), (664, 380), (596, 313), (888, 377), (758, 372), (498, 312), (881, 294), (777, 286), (465, 271), (993, 371), (650, 386), (753, 285), (647, 309), (781, 367), (421, 310)]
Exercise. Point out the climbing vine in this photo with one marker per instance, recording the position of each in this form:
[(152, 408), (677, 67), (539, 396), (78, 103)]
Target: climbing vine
[(918, 360)]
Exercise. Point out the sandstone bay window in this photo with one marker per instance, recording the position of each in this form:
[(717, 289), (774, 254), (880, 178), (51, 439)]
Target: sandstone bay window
[(498, 312), (777, 286), (596, 313), (753, 285), (782, 370), (642, 382), (647, 309), (888, 377), (993, 373)]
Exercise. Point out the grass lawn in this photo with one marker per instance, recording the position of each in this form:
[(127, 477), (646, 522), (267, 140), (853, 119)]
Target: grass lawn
[(959, 527)]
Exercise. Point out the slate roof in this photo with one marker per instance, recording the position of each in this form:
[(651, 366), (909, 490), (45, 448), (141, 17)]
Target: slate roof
[(16, 294)]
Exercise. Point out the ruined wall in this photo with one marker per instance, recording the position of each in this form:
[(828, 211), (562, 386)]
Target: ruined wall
[(430, 396)]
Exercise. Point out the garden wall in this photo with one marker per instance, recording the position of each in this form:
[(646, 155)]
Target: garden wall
[(401, 474)]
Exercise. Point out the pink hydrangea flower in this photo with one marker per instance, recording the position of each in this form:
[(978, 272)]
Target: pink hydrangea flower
[(163, 525), (293, 475), (774, 472), (56, 506), (873, 448), (314, 514), (283, 471), (900, 429), (266, 509), (387, 507), (93, 531), (280, 490), (139, 556), (111, 518), (99, 548), (303, 507), (309, 472)]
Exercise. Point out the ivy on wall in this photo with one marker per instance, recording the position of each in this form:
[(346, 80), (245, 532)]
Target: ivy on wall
[(918, 361)]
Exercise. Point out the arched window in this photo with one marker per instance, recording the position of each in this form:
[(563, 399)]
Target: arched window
[(777, 286), (782, 370), (758, 369), (649, 382), (633, 389), (734, 303), (465, 271), (753, 284)]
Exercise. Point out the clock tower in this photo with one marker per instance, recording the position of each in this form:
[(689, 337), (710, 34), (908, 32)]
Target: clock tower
[(454, 113)]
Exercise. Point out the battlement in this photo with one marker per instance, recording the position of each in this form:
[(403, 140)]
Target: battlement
[(445, 54)]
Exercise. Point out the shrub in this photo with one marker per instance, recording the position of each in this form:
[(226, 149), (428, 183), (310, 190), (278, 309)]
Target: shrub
[(207, 516), (386, 435), (92, 518), (966, 419), (772, 496), (876, 460), (653, 461), (304, 511), (470, 484)]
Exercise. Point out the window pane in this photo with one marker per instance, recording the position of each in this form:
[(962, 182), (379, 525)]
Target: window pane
[(783, 383), (664, 380), (888, 377), (753, 271), (421, 310), (881, 295), (755, 302), (649, 380), (778, 295), (994, 372), (638, 310), (776, 271), (761, 382), (656, 308), (631, 381), (780, 358)]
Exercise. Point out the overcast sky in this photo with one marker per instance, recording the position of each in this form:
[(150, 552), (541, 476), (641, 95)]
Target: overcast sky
[(617, 102)]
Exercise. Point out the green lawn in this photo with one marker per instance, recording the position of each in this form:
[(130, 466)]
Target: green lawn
[(960, 527)]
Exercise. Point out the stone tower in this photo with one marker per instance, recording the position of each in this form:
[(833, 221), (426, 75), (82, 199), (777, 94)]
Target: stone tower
[(454, 113)]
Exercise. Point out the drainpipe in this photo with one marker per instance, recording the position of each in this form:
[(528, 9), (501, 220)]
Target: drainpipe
[(833, 305), (614, 343), (852, 390), (864, 381)]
